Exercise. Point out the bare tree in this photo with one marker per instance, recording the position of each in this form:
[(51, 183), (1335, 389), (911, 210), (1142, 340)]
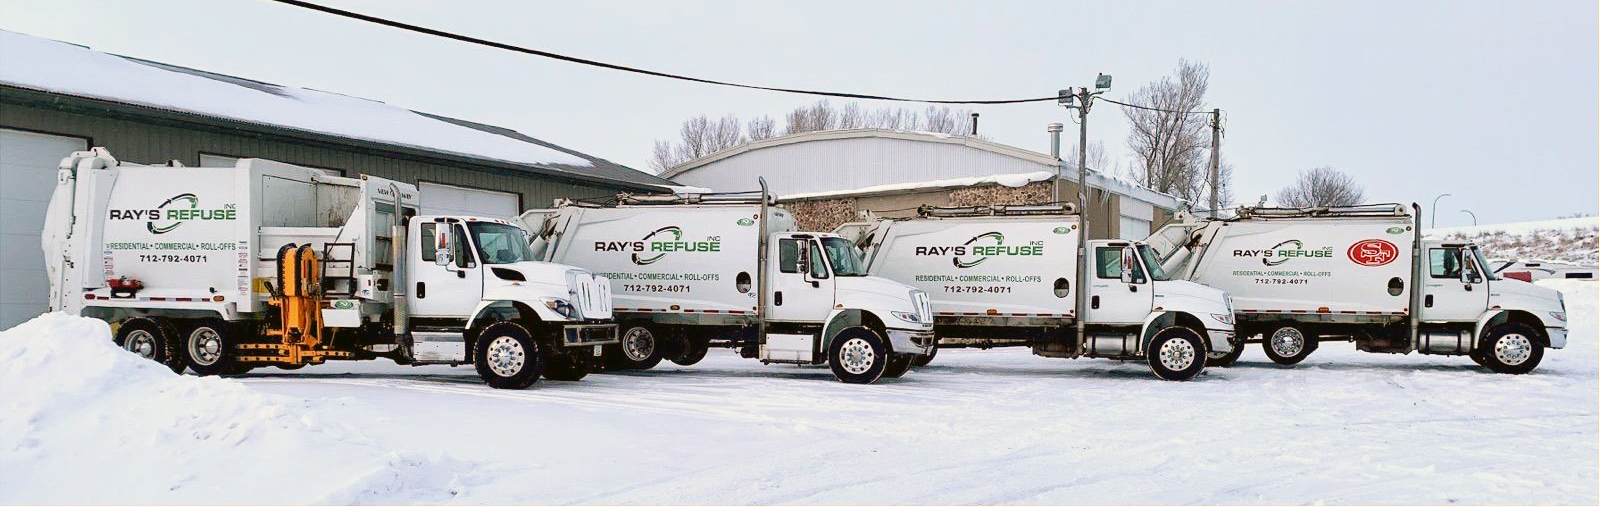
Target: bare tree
[(1169, 142), (1321, 186), (761, 128), (1096, 158), (698, 137)]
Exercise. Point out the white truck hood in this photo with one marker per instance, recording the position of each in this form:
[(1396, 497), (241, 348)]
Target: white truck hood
[(1517, 294), (874, 286), (1193, 297)]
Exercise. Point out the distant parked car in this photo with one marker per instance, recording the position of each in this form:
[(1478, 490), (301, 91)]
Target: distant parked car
[(1533, 270)]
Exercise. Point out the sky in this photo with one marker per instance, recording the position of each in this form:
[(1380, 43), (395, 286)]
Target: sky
[(1493, 103)]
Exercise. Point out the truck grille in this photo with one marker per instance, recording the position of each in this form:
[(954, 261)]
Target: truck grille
[(591, 294)]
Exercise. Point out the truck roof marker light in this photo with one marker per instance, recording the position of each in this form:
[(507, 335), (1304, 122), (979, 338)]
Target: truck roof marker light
[(217, 298)]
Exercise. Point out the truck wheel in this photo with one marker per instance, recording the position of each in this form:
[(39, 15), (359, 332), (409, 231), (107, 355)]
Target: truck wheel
[(1176, 353), (924, 359), (507, 357), (1224, 360), (1288, 344), (208, 348), (857, 356), (568, 367), (1512, 348), (898, 366), (694, 349), (640, 348), (152, 339)]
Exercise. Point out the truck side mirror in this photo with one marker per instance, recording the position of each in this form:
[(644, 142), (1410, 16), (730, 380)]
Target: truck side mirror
[(1127, 264), (441, 246), (804, 264)]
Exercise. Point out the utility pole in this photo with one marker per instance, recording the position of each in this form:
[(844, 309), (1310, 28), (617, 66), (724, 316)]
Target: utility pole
[(1216, 170), (1084, 99)]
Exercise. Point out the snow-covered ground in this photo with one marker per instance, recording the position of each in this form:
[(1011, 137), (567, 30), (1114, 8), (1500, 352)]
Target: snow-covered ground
[(1570, 240), (82, 422)]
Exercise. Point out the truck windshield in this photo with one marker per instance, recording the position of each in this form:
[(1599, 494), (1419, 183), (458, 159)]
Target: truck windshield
[(1483, 264), (500, 243), (1152, 263), (845, 257)]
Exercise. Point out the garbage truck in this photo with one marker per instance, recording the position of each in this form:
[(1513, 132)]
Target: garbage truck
[(1009, 275), (1364, 273), (695, 271), (225, 269)]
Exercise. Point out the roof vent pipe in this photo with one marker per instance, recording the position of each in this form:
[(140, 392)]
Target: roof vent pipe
[(1055, 139), (974, 124)]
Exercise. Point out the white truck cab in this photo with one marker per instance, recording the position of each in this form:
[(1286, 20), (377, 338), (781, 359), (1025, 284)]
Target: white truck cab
[(692, 272), (1300, 276), (1009, 275), (225, 269)]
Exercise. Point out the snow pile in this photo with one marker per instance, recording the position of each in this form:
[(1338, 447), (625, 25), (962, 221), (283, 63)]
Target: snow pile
[(1570, 240), (84, 422), (43, 64), (1009, 180)]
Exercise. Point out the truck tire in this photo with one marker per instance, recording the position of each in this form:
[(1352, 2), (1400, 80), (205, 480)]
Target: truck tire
[(507, 357), (898, 366), (924, 359), (568, 367), (857, 356), (208, 348), (694, 349), (1511, 348), (1224, 360), (640, 348), (1287, 344), (1176, 353), (152, 339)]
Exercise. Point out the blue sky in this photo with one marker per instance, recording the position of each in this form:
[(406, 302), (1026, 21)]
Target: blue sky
[(1492, 102)]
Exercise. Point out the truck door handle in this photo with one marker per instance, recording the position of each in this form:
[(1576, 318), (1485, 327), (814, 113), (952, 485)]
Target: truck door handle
[(422, 290), (777, 298), (1133, 288), (1428, 301), (1094, 302)]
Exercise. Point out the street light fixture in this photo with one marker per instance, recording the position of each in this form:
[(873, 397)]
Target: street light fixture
[(1474, 217), (1436, 210)]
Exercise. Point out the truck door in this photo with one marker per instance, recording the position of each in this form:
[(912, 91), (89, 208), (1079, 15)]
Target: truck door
[(1453, 289), (1113, 297), (445, 282), (802, 283)]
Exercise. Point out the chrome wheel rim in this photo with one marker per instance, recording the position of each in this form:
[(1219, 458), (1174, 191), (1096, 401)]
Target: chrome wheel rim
[(856, 356), (1513, 349), (638, 344), (1288, 342), (141, 342), (506, 356), (1176, 355), (205, 346)]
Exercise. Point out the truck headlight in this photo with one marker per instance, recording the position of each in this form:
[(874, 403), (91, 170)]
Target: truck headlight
[(906, 316), (560, 306), (1225, 318), (1561, 316)]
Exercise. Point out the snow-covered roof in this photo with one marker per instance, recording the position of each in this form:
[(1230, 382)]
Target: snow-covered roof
[(46, 65), (1009, 180), (1097, 179)]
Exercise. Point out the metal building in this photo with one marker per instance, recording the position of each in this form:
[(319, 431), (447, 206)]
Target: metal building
[(895, 169), (56, 98)]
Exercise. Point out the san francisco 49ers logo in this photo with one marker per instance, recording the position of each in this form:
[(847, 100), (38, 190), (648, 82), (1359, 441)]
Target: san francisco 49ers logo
[(1373, 252)]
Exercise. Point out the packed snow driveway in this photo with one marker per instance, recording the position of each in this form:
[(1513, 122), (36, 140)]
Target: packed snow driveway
[(995, 426)]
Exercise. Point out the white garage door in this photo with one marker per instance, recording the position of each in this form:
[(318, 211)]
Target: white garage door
[(440, 199), (1135, 219), (27, 178)]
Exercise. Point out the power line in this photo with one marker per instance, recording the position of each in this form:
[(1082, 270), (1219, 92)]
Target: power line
[(1124, 104), (624, 68)]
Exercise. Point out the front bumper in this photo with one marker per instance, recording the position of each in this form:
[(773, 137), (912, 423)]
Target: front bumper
[(581, 335), (1221, 340), (911, 341), (1558, 336)]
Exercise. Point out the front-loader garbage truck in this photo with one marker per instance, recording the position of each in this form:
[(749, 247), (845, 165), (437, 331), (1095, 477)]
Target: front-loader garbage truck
[(225, 269)]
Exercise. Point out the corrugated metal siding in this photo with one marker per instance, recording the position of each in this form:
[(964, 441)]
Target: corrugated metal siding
[(844, 164), (143, 143)]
